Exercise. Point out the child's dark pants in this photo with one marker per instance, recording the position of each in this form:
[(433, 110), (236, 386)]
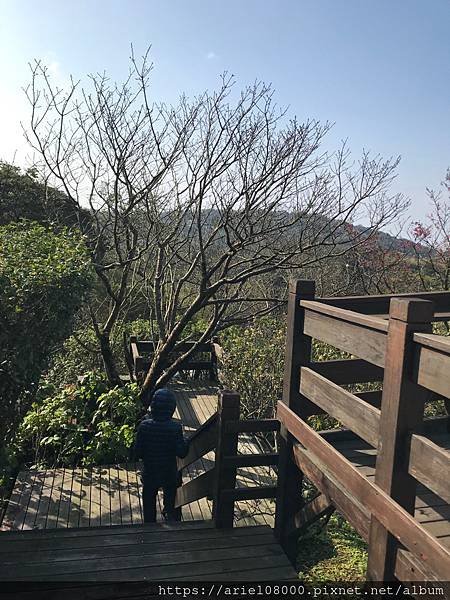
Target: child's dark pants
[(149, 497)]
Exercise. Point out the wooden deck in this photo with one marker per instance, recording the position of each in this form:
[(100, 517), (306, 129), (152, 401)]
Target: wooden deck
[(111, 494), (151, 552)]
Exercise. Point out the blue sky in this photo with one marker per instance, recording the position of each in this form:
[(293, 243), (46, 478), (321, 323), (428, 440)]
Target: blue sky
[(378, 69)]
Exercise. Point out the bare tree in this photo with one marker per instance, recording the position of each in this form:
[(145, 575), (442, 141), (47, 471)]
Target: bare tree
[(201, 207), (432, 241), (112, 153)]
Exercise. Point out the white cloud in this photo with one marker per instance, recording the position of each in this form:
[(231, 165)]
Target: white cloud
[(211, 55)]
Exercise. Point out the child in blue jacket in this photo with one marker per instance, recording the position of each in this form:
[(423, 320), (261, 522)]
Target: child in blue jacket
[(159, 441)]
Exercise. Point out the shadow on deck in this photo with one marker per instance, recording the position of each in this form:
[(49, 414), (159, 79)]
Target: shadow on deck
[(112, 494)]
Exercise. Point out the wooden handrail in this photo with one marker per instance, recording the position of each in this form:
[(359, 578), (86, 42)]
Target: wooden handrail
[(379, 304), (433, 363), (142, 351), (359, 335), (430, 464), (343, 314), (251, 460), (149, 346), (344, 406), (252, 426), (203, 440), (204, 426), (249, 493), (195, 489), (395, 518), (435, 342)]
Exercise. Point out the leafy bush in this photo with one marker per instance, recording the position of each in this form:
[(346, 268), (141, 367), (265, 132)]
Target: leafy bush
[(81, 354), (24, 196), (87, 423), (44, 277), (253, 365)]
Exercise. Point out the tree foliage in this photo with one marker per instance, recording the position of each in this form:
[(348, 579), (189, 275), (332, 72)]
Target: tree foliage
[(85, 423), (23, 195), (43, 278)]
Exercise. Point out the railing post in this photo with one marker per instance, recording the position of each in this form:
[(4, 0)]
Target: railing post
[(297, 354), (227, 445), (402, 408)]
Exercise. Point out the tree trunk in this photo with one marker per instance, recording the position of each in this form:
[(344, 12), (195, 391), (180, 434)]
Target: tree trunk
[(152, 377), (109, 361)]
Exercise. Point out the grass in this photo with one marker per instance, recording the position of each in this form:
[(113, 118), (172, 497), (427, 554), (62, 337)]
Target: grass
[(333, 553)]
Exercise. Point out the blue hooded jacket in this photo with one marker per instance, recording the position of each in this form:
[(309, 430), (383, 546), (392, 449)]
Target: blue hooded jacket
[(160, 440)]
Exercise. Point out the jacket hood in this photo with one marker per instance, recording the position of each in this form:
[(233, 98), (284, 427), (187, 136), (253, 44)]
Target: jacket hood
[(163, 405)]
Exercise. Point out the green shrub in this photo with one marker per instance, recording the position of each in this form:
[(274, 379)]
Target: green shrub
[(253, 365), (83, 424), (80, 352), (44, 277)]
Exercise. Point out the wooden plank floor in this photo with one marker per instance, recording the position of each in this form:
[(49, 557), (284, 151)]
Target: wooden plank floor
[(185, 551), (111, 494), (431, 511)]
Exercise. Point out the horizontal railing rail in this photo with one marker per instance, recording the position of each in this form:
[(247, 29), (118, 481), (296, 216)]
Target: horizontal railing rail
[(252, 426), (353, 412), (359, 335), (429, 463), (149, 346), (377, 305), (203, 440), (394, 517), (141, 351), (195, 489), (433, 363)]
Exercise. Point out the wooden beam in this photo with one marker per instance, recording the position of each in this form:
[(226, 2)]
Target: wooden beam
[(252, 426), (297, 354), (433, 358), (203, 441), (344, 406), (348, 371), (371, 305), (327, 482), (360, 340), (249, 493), (430, 464), (251, 460), (317, 508), (195, 489), (227, 445), (350, 316), (433, 341), (402, 408), (374, 500), (409, 568)]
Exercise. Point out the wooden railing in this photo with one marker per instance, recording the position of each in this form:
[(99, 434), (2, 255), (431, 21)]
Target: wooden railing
[(220, 433), (140, 356), (411, 363)]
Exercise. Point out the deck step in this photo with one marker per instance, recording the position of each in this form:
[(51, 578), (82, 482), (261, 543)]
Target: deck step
[(153, 552)]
